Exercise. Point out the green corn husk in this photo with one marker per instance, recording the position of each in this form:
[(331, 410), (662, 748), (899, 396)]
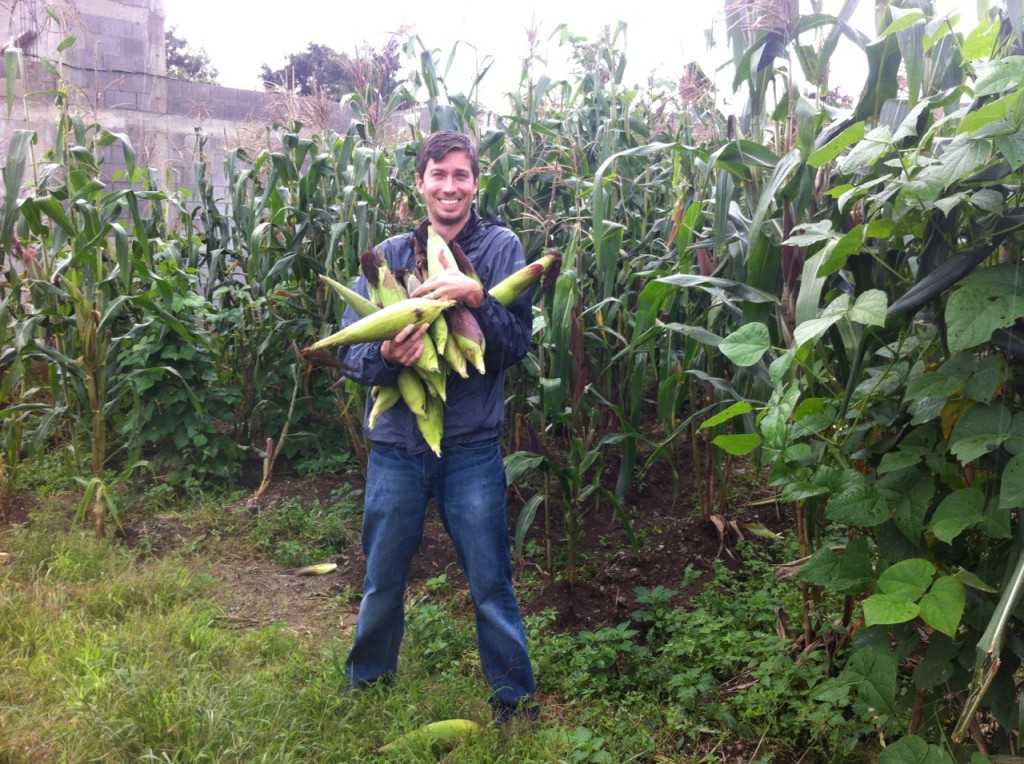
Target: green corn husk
[(385, 323), (439, 256), (432, 425), (413, 392), (383, 399), (453, 356), (509, 289), (436, 382), (467, 334), (362, 306)]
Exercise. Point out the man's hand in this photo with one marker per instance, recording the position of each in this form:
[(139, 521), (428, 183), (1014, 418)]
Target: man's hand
[(452, 285), (406, 348)]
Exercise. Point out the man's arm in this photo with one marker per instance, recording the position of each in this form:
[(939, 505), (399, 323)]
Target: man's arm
[(508, 330)]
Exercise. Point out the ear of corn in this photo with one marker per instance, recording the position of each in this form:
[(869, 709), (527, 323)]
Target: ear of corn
[(429, 360), (386, 322), (467, 334), (356, 301), (438, 332), (439, 256), (510, 288), (320, 569), (381, 283), (413, 392), (454, 358), (436, 734), (463, 263), (385, 397), (432, 424), (436, 382)]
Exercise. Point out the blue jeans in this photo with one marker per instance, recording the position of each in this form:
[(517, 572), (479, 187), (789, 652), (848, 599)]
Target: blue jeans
[(468, 487)]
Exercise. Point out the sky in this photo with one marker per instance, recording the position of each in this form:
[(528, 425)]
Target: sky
[(661, 37)]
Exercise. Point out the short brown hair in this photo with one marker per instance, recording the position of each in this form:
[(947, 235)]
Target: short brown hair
[(438, 145)]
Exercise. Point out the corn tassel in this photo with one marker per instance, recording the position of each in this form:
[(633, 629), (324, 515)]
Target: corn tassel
[(413, 392), (383, 399), (468, 335), (509, 289), (432, 425), (386, 322)]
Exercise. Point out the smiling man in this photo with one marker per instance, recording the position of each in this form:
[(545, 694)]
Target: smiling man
[(467, 481)]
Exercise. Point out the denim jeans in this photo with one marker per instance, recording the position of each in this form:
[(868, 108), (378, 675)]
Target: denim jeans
[(467, 484)]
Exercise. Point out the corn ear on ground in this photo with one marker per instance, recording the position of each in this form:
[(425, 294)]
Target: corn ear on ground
[(319, 569), (440, 734)]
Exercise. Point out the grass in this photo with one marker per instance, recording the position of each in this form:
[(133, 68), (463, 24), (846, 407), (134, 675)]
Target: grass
[(112, 654)]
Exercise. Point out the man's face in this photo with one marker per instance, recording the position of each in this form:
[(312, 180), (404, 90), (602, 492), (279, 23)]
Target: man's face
[(448, 188)]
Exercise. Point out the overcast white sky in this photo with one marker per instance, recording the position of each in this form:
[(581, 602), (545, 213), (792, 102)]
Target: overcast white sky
[(661, 36)]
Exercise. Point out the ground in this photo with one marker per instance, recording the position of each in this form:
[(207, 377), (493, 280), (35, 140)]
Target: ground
[(254, 592), (672, 535)]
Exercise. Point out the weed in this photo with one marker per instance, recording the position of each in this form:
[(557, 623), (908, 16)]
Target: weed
[(294, 533)]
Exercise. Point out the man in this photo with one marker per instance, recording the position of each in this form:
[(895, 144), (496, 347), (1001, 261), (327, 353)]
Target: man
[(467, 482)]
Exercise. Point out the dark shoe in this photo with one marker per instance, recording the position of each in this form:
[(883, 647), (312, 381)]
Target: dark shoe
[(527, 709)]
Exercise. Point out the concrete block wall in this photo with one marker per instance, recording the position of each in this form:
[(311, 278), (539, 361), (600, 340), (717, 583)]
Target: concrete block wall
[(115, 76)]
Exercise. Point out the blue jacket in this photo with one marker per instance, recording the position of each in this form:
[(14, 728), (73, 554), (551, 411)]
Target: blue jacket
[(475, 408)]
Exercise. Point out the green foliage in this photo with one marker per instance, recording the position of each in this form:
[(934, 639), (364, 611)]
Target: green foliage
[(295, 533), (438, 641), (891, 416), (182, 411), (716, 665), (835, 296), (319, 68)]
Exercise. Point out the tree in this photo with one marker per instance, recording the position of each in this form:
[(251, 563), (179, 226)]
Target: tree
[(184, 63), (319, 67)]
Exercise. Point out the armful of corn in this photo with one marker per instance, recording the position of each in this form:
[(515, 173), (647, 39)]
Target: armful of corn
[(455, 340)]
